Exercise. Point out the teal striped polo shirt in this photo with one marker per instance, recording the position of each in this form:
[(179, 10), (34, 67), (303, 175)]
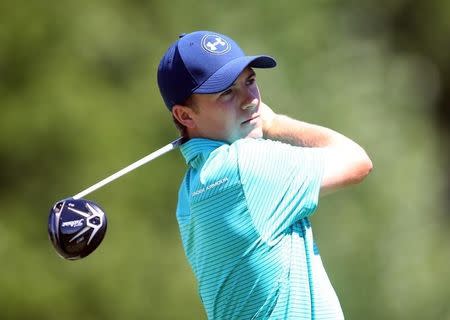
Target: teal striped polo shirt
[(243, 216)]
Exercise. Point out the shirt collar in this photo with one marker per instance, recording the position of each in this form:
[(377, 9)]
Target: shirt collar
[(196, 151)]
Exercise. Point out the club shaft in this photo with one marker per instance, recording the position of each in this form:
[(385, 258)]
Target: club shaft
[(173, 145)]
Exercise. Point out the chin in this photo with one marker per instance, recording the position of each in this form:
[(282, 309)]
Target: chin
[(255, 134)]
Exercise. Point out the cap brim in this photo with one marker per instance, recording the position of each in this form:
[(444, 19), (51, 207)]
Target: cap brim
[(225, 76)]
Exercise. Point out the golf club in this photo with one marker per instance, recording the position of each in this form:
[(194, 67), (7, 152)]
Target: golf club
[(76, 226)]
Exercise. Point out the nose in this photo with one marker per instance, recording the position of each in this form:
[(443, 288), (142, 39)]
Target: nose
[(250, 102)]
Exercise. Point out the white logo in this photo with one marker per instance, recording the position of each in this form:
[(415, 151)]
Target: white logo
[(209, 187), (215, 44), (73, 224)]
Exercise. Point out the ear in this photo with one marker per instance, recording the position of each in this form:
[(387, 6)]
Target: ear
[(184, 115)]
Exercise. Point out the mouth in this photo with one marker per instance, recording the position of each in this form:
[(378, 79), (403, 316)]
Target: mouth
[(251, 120)]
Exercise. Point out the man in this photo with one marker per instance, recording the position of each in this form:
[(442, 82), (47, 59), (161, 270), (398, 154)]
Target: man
[(253, 180)]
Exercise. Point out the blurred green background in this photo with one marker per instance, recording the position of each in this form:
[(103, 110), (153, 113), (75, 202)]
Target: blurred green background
[(79, 100)]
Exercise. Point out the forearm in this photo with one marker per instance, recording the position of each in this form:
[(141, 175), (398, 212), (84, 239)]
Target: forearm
[(348, 162), (299, 133)]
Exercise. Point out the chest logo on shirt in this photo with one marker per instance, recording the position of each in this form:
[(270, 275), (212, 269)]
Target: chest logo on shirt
[(210, 186)]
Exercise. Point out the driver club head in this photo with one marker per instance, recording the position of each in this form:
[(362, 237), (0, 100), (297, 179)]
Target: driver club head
[(76, 227)]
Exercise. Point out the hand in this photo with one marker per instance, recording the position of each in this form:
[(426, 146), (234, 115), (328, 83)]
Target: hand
[(267, 116)]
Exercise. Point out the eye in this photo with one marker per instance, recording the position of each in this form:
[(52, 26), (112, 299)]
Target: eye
[(226, 92), (251, 81)]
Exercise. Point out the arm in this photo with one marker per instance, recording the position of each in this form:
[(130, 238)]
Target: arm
[(348, 163)]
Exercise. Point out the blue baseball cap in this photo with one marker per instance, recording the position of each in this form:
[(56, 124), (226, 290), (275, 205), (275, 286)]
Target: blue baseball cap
[(203, 62)]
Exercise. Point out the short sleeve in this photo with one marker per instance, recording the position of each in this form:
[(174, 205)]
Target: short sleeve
[(281, 183), (183, 210)]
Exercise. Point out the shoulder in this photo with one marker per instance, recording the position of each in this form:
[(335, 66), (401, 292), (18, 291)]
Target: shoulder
[(220, 165), (251, 142), (277, 160), (259, 146), (260, 159), (251, 150)]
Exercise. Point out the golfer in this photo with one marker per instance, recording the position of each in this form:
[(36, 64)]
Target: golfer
[(254, 178)]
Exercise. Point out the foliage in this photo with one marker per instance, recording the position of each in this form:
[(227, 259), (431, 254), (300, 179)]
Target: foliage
[(79, 100)]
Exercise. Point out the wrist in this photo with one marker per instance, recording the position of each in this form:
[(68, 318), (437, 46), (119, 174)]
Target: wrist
[(268, 116), (280, 128)]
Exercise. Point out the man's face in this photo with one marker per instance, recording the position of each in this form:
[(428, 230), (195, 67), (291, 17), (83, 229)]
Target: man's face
[(229, 115)]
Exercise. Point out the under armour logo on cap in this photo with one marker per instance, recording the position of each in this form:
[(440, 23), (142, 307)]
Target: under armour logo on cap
[(215, 44)]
